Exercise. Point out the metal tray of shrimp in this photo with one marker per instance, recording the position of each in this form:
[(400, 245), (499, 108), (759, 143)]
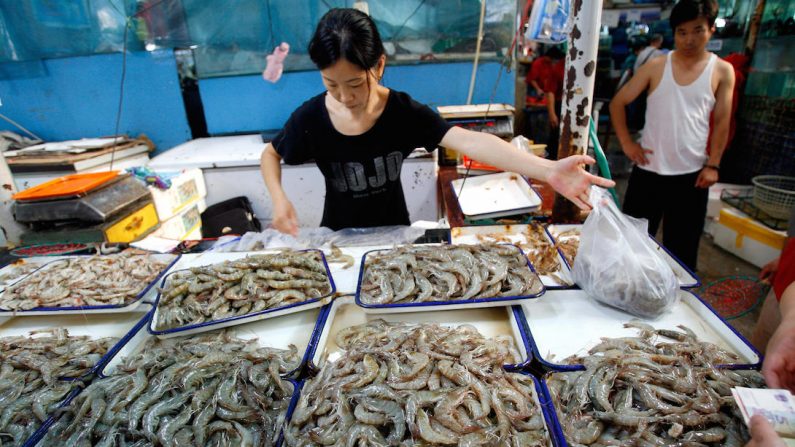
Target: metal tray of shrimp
[(297, 329), (343, 312), (568, 322), (534, 290), (687, 279), (146, 295), (518, 234), (214, 258), (94, 325)]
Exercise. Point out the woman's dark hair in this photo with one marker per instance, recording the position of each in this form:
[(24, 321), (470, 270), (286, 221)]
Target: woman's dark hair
[(346, 34), (687, 10)]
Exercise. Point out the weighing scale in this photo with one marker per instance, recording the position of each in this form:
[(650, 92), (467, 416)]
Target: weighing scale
[(81, 208)]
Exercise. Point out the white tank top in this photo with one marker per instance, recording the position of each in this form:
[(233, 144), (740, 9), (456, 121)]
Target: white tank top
[(677, 122)]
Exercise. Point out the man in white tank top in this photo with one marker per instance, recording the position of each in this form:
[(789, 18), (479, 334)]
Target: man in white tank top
[(674, 168)]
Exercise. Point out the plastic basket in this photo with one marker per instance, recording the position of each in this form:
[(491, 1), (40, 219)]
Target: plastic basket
[(774, 194)]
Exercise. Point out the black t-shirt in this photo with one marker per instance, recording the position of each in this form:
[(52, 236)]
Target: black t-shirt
[(362, 172)]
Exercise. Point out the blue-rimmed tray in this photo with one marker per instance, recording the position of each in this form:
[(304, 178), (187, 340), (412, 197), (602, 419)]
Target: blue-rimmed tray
[(495, 195), (568, 322), (687, 279), (514, 234), (145, 295), (238, 319), (427, 306), (491, 322)]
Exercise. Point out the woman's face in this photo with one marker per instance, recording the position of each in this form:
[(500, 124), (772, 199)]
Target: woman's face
[(349, 84)]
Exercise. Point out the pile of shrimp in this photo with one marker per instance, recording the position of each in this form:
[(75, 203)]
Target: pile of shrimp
[(32, 370), (241, 287), (447, 273), (568, 242), (401, 384), (661, 388), (85, 281), (542, 253), (203, 390)]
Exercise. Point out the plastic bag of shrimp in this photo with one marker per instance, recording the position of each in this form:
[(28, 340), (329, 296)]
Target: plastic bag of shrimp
[(619, 265)]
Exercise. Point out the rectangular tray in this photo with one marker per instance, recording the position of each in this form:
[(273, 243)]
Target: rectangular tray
[(37, 436), (687, 279), (343, 313), (553, 422), (568, 322), (240, 319), (145, 296), (427, 306), (96, 325), (495, 195), (298, 329), (516, 235)]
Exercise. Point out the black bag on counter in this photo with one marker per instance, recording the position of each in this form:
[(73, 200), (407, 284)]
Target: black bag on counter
[(233, 216)]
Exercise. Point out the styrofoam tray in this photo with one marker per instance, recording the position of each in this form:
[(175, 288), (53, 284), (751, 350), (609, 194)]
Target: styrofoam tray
[(295, 329), (145, 296), (94, 325), (687, 279), (516, 235), (428, 306), (568, 322), (343, 313), (239, 319), (495, 195)]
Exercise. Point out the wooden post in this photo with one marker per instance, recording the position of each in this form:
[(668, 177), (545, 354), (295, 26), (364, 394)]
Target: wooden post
[(578, 88)]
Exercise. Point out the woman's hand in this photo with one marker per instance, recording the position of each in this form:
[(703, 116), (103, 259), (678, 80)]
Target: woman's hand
[(284, 218), (568, 177)]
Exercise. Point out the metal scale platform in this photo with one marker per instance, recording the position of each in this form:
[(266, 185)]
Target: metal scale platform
[(97, 207)]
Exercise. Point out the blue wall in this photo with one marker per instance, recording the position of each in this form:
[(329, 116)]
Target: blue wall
[(69, 98), (250, 104)]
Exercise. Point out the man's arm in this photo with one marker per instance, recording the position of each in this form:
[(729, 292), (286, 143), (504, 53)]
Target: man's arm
[(618, 115), (721, 120)]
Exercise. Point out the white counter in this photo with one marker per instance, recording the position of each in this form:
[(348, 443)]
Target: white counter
[(231, 169)]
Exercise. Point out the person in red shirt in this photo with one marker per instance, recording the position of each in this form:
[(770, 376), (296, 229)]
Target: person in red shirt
[(539, 70), (553, 89)]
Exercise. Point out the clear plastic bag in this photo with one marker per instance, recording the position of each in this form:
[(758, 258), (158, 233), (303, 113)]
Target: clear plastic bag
[(549, 21), (619, 265)]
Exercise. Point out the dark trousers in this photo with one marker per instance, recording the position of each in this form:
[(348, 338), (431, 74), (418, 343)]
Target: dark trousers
[(677, 202)]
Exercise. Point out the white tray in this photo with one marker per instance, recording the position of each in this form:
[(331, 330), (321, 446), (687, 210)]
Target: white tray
[(568, 322), (95, 325), (495, 195), (147, 295), (212, 258), (516, 235), (297, 329), (343, 313), (429, 306)]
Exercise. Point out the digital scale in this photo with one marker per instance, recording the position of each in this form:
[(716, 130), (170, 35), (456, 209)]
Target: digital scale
[(82, 208), (496, 119)]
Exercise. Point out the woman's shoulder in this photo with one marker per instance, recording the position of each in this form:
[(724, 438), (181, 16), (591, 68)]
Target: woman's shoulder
[(404, 101), (312, 107)]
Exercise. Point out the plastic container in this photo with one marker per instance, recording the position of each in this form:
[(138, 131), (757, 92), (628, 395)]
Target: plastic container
[(66, 186)]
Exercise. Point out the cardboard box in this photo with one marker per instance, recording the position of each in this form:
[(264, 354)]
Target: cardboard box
[(185, 224), (187, 188)]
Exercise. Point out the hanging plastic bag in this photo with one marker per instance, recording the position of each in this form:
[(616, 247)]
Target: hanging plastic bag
[(619, 265), (549, 21)]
